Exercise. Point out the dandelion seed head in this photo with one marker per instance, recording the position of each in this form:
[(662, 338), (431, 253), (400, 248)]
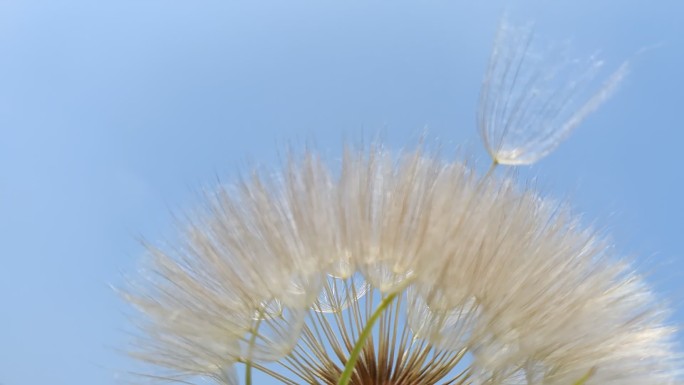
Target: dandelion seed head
[(405, 269), (480, 268)]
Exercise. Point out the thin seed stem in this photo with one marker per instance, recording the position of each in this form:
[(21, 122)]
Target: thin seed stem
[(491, 169), (365, 333)]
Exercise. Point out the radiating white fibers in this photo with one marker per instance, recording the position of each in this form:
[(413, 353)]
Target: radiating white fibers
[(287, 269)]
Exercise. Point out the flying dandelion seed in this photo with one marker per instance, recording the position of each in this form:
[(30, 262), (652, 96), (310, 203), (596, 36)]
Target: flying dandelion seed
[(529, 105), (403, 269)]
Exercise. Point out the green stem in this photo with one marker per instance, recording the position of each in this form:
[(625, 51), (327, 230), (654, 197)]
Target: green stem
[(365, 333), (252, 341), (586, 377), (248, 372)]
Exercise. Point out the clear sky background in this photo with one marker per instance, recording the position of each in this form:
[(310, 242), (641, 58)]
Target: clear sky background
[(113, 114)]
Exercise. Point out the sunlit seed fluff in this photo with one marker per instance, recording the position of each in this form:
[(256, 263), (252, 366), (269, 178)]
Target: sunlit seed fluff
[(496, 284)]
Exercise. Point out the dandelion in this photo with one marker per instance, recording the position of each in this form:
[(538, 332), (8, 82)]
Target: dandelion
[(398, 269)]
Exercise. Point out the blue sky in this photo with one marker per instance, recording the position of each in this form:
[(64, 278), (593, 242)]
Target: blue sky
[(114, 114)]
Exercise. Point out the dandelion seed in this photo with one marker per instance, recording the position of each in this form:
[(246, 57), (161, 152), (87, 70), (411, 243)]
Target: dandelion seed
[(404, 270), (531, 100)]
